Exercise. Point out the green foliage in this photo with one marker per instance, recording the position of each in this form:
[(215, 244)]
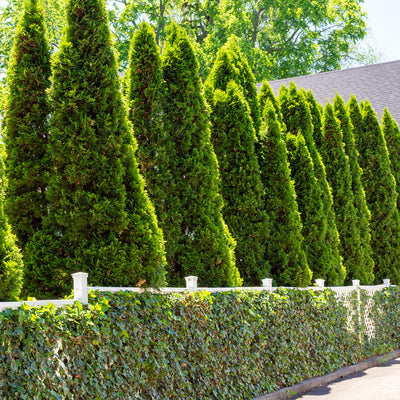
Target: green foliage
[(339, 177), (363, 216), (11, 265), (316, 111), (297, 117), (309, 200), (285, 247), (145, 97), (233, 137), (197, 239), (100, 219), (266, 93), (380, 191), (26, 128), (231, 65), (391, 133), (187, 346)]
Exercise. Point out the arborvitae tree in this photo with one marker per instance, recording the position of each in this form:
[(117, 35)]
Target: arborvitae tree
[(266, 94), (380, 190), (313, 218), (316, 117), (365, 259), (285, 246), (198, 241), (100, 219), (339, 177), (26, 128), (11, 266), (230, 64), (233, 137), (297, 117), (145, 96), (391, 133)]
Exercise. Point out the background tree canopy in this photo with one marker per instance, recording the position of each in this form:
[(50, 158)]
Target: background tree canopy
[(280, 38)]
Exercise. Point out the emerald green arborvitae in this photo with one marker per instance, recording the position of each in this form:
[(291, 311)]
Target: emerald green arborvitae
[(309, 200), (100, 220), (363, 216), (285, 246), (316, 117), (198, 241), (26, 127), (339, 177), (231, 64), (391, 133), (266, 93), (233, 137), (145, 96), (380, 191), (296, 115), (11, 266)]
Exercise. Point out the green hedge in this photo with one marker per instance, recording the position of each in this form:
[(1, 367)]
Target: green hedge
[(187, 346)]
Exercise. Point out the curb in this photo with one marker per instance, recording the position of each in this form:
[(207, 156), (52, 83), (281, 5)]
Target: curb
[(312, 383)]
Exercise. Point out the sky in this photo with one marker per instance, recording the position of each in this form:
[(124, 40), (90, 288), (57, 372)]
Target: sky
[(384, 24)]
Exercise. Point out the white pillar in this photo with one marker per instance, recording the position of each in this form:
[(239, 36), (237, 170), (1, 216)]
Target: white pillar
[(320, 283), (267, 283), (386, 282), (356, 282), (191, 282), (80, 287)]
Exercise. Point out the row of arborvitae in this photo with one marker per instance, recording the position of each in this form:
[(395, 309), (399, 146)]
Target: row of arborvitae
[(244, 187)]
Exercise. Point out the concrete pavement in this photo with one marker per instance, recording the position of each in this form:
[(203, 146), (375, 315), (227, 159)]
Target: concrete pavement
[(378, 383), (377, 378)]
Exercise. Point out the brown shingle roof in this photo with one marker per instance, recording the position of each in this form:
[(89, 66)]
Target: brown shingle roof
[(379, 83)]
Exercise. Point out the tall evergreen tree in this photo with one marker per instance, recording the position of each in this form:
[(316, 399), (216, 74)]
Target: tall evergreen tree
[(316, 117), (233, 137), (231, 64), (365, 259), (285, 247), (309, 200), (380, 190), (391, 133), (197, 238), (339, 177), (145, 96), (100, 219), (297, 117), (266, 93), (26, 128), (11, 266)]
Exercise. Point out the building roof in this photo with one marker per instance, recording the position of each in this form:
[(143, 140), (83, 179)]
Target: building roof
[(378, 83)]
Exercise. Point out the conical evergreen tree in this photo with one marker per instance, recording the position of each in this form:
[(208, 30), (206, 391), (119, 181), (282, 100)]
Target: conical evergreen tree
[(233, 137), (231, 64), (145, 96), (297, 117), (365, 260), (26, 128), (266, 94), (11, 266), (198, 241), (100, 219), (380, 190), (316, 117), (309, 200), (391, 133), (339, 177), (285, 247)]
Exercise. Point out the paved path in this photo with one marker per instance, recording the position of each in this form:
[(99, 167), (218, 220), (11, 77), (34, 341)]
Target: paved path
[(377, 383)]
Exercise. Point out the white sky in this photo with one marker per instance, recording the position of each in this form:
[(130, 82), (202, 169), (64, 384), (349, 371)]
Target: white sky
[(384, 24)]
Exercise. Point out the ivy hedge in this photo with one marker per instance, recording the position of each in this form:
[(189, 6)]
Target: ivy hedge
[(236, 344)]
